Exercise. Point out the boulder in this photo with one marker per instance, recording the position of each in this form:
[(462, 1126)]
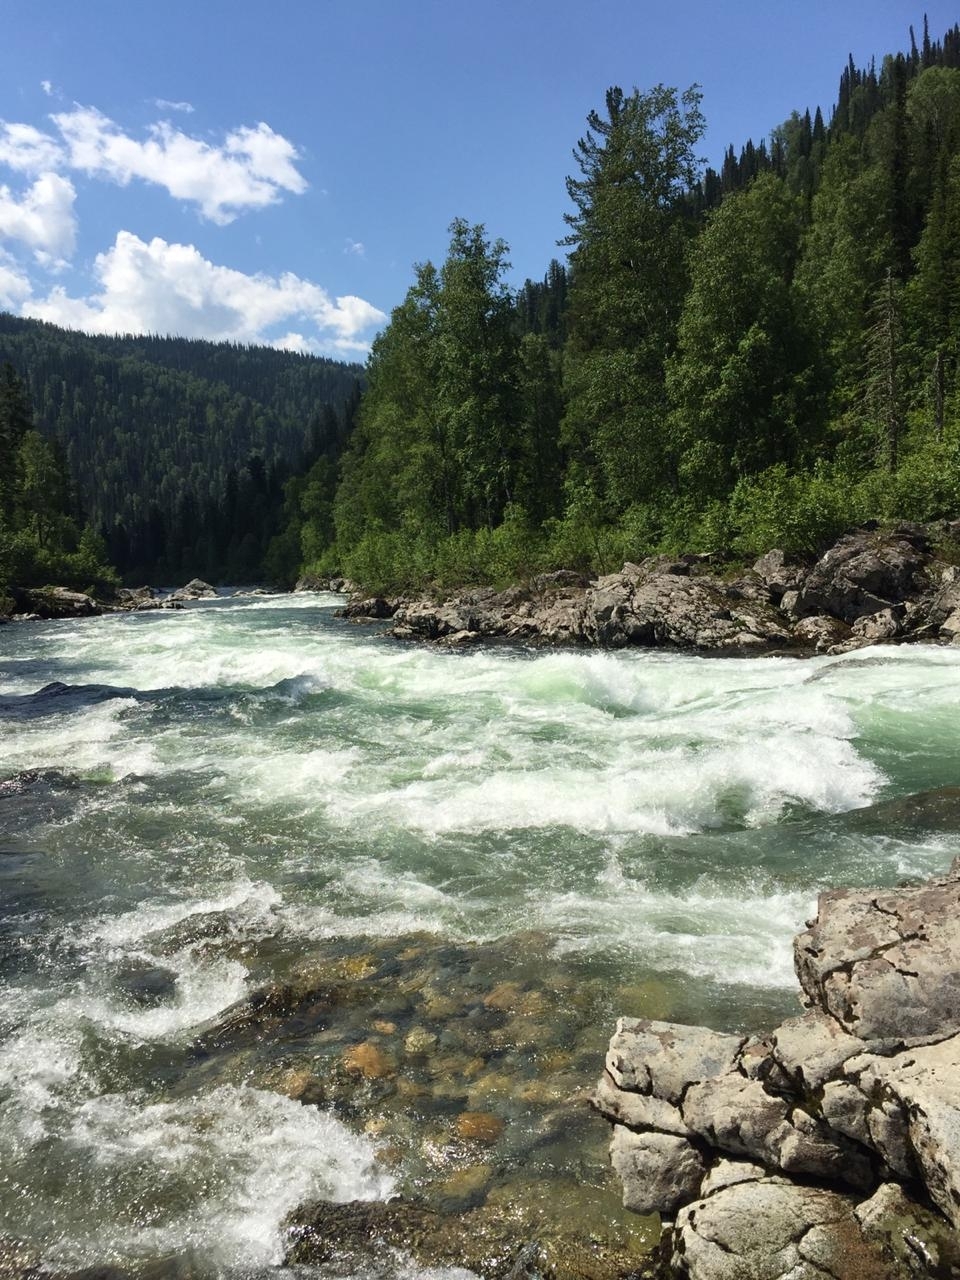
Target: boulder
[(820, 634), (659, 1171), (665, 1058), (370, 607), (136, 597), (54, 602), (770, 1229), (886, 964), (943, 610), (864, 573), (779, 574), (816, 1138), (664, 606), (195, 589)]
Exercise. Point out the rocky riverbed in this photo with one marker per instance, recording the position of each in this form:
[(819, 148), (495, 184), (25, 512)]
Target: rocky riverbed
[(872, 587), (829, 1147)]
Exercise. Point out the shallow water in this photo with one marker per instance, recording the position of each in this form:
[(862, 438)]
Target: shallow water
[(200, 799)]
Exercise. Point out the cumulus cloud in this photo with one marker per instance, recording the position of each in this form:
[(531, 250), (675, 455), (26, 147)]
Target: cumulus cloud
[(42, 218), (251, 169), (47, 87), (28, 150), (15, 288), (158, 287), (164, 104)]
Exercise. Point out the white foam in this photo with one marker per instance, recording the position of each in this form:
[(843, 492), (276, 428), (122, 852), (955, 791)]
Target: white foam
[(216, 1173), (94, 741)]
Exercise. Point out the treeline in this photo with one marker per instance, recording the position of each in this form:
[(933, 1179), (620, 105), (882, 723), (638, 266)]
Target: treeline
[(731, 360), (40, 541), (178, 450)]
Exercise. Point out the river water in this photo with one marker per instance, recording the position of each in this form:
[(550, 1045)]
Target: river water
[(195, 803)]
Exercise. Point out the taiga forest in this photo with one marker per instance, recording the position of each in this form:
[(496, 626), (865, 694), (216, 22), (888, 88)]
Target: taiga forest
[(715, 360)]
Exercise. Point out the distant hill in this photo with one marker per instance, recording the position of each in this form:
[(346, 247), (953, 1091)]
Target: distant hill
[(179, 448)]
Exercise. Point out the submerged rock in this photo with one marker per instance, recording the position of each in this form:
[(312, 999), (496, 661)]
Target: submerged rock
[(520, 1235)]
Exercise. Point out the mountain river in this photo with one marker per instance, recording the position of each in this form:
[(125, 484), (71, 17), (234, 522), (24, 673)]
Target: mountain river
[(477, 858)]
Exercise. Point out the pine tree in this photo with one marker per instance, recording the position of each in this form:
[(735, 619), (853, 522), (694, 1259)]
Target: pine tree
[(16, 420), (628, 239)]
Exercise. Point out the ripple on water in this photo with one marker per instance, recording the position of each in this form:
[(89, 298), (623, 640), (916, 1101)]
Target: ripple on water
[(235, 787)]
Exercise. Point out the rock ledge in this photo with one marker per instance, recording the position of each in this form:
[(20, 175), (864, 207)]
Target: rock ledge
[(829, 1148)]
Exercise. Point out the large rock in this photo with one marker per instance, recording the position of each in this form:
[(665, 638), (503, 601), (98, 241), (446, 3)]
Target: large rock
[(859, 1094), (663, 604), (195, 589), (872, 587), (779, 573), (659, 1171), (886, 964), (54, 602), (865, 573), (774, 1230), (943, 610)]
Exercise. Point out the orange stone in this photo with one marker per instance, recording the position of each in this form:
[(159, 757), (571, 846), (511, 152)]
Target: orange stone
[(479, 1126), (367, 1060)]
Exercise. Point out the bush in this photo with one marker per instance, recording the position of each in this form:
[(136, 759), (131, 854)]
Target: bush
[(800, 512)]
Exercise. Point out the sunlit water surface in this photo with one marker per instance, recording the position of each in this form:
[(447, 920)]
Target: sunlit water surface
[(652, 819)]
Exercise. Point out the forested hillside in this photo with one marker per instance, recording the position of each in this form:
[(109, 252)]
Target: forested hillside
[(178, 450), (730, 360)]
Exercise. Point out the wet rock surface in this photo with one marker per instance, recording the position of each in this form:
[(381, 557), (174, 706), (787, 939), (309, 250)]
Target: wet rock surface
[(872, 587), (829, 1147), (517, 1234)]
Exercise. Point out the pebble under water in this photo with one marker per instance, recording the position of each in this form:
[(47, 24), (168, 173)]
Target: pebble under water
[(293, 913)]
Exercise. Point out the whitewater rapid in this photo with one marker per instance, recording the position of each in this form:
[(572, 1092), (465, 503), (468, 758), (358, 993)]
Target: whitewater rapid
[(280, 778)]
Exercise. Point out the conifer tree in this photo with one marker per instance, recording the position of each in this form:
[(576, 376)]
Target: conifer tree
[(628, 238)]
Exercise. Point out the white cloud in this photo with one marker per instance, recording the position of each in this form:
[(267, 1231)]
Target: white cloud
[(171, 288), (28, 150), (15, 288), (47, 87), (164, 104), (356, 247), (250, 170), (42, 219)]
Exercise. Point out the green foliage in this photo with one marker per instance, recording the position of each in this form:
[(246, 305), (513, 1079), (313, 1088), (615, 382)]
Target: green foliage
[(746, 381), (177, 450), (797, 511), (39, 542), (760, 356), (628, 237)]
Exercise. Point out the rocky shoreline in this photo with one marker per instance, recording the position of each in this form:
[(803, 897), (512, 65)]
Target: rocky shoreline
[(872, 587), (828, 1148), (42, 604)]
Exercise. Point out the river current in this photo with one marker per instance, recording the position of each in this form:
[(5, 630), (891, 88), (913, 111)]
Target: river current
[(192, 802)]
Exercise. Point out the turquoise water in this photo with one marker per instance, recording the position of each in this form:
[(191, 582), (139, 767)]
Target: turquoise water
[(655, 819)]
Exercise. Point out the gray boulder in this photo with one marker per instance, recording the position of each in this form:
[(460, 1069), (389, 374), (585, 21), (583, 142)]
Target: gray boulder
[(779, 574), (864, 573), (886, 964), (195, 589), (815, 1138)]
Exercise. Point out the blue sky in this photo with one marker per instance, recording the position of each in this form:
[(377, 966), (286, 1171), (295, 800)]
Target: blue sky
[(271, 172)]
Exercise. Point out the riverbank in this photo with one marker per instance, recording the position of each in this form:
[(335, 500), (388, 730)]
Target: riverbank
[(874, 586)]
